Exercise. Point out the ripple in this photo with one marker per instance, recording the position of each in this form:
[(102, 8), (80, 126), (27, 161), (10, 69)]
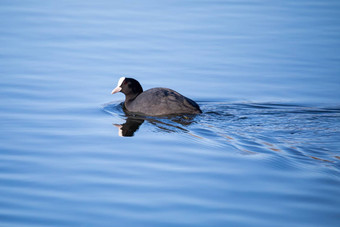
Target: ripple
[(269, 128)]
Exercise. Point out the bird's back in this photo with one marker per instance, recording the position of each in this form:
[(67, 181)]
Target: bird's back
[(162, 101)]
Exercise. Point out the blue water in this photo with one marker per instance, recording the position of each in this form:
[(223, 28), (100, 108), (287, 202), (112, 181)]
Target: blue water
[(265, 151)]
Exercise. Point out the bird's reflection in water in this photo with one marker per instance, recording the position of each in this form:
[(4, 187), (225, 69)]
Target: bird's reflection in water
[(130, 126), (166, 124)]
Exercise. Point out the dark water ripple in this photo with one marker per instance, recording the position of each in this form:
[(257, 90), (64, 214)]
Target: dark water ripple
[(302, 133)]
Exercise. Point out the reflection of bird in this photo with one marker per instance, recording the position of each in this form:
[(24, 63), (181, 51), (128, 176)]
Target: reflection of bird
[(167, 124), (155, 101), (129, 127)]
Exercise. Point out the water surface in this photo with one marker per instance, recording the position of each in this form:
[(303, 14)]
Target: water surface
[(265, 151)]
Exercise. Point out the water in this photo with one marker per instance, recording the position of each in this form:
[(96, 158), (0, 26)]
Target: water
[(265, 151)]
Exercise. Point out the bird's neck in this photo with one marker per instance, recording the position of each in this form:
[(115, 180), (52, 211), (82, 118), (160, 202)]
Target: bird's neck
[(129, 98)]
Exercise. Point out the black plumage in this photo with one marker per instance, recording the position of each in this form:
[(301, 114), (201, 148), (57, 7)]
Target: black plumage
[(155, 101)]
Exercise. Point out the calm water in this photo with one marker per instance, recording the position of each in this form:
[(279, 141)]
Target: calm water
[(265, 151)]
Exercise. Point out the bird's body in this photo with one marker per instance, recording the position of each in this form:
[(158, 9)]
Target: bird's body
[(155, 101), (161, 101)]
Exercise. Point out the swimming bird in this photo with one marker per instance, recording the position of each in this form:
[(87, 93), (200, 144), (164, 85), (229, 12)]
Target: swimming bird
[(155, 101)]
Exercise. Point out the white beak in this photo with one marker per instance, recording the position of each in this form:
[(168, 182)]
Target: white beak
[(117, 89)]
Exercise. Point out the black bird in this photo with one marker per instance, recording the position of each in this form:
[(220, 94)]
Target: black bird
[(155, 101)]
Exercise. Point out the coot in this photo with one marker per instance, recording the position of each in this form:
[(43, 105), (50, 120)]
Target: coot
[(155, 101)]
